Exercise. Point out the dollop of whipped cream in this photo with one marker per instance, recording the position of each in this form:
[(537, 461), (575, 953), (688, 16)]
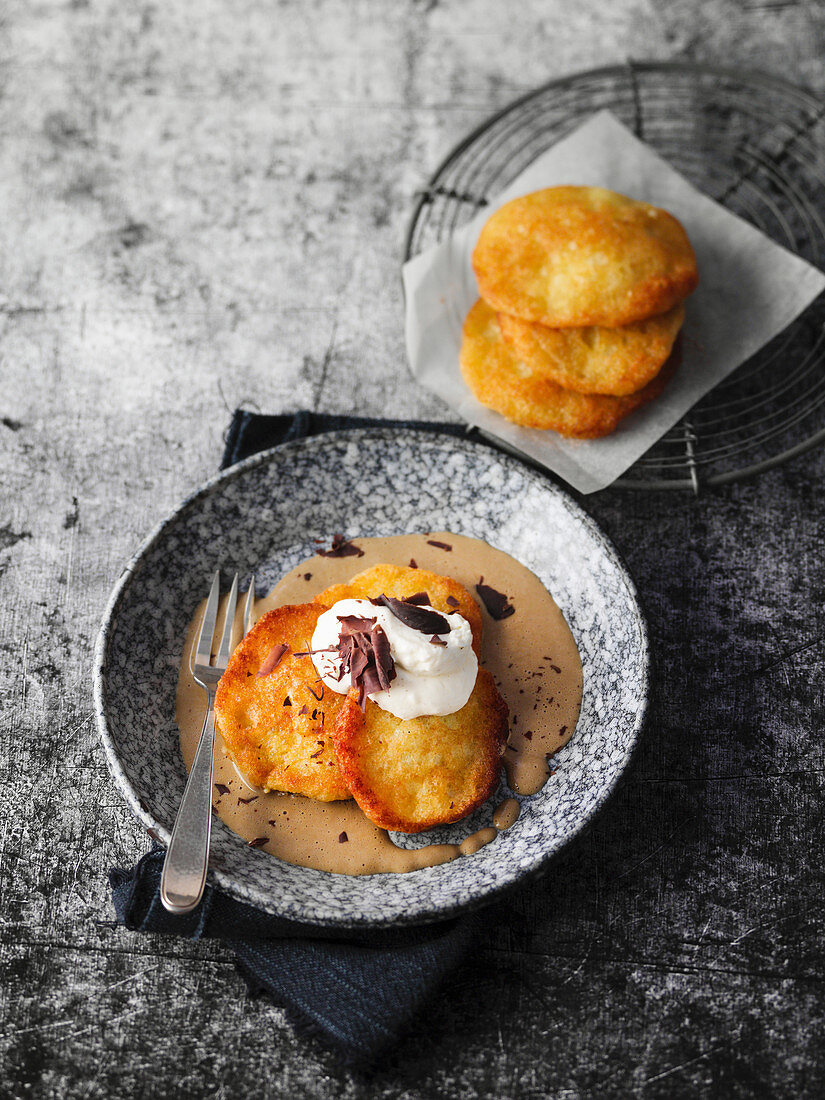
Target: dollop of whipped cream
[(430, 678)]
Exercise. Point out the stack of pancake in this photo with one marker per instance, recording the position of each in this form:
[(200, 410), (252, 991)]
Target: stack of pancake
[(285, 732), (582, 300)]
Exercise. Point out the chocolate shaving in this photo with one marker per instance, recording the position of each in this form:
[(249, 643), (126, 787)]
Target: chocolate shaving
[(221, 788), (342, 548), (246, 801), (314, 696), (413, 563), (259, 842), (312, 755), (440, 545), (497, 604), (417, 598), (276, 655), (563, 730), (342, 838), (304, 710), (528, 735), (364, 650), (356, 624), (287, 702), (384, 664), (435, 640), (307, 576), (272, 821), (417, 618), (452, 601)]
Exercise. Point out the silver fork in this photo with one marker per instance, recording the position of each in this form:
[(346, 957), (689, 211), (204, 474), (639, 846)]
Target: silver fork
[(184, 869)]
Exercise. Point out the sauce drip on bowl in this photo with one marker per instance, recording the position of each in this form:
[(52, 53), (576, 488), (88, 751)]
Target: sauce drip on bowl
[(530, 652)]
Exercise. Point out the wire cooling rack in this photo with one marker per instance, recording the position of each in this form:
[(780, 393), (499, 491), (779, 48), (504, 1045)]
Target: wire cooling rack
[(754, 143)]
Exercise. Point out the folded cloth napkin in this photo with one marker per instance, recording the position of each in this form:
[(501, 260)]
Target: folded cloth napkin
[(356, 990), (251, 432)]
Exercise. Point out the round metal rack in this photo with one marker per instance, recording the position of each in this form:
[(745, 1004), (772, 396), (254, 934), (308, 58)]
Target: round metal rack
[(752, 142)]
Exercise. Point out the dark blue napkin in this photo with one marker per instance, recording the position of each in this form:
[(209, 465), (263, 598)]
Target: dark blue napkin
[(251, 432), (356, 990)]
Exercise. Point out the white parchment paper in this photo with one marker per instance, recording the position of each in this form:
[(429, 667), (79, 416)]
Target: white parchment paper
[(750, 289)]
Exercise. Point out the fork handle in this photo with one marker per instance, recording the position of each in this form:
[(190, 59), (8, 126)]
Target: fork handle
[(184, 869)]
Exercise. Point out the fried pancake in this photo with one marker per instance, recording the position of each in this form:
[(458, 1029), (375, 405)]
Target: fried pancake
[(499, 380), (278, 727), (401, 581), (613, 361), (410, 774), (581, 256)]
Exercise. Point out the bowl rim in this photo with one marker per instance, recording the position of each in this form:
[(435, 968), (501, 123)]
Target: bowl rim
[(223, 880)]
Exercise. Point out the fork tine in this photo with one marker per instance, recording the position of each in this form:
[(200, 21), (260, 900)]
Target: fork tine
[(203, 650), (228, 624), (248, 606)]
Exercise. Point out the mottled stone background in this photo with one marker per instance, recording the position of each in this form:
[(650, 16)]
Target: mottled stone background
[(204, 205)]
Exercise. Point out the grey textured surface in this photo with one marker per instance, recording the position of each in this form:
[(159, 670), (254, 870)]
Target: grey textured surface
[(206, 209)]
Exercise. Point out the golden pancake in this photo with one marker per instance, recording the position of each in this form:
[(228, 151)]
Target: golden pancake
[(278, 727), (499, 380), (613, 361), (581, 256), (410, 774), (401, 581)]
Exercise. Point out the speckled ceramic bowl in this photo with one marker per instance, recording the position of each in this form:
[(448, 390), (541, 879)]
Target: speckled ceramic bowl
[(261, 516)]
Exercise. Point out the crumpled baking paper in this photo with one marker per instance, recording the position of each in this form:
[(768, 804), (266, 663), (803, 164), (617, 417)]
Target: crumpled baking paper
[(750, 289)]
